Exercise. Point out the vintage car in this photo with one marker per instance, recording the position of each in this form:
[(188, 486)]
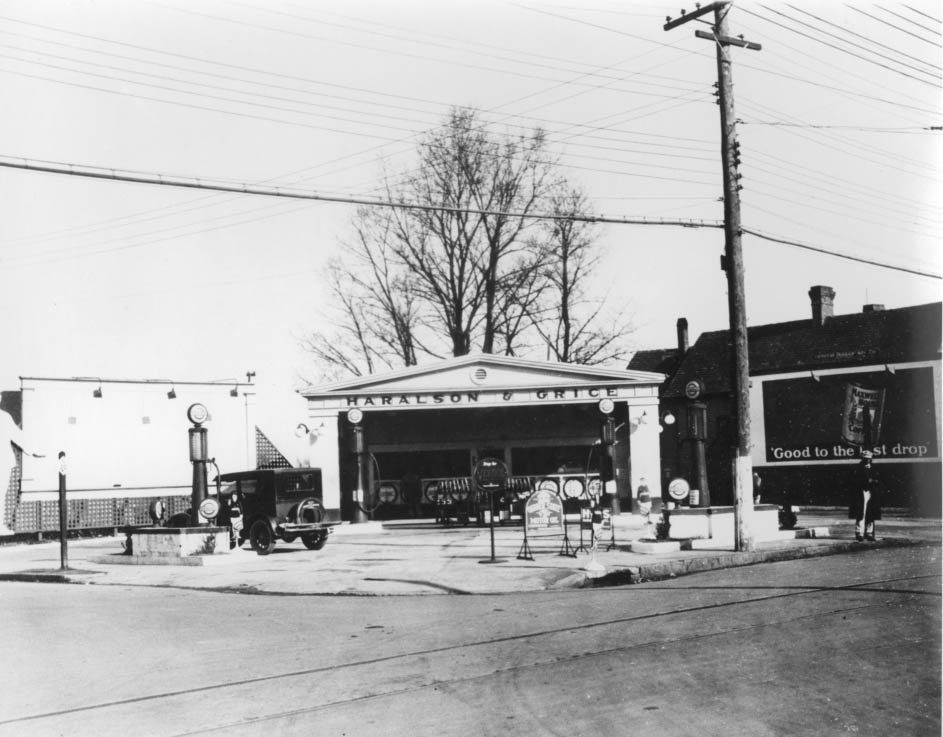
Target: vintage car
[(264, 505)]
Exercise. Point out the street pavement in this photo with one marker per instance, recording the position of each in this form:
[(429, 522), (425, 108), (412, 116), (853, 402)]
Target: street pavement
[(419, 557)]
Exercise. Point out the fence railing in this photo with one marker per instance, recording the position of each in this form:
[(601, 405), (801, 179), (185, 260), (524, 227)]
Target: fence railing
[(91, 514)]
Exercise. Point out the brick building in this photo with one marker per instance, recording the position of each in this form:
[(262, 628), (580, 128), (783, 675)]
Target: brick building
[(810, 379)]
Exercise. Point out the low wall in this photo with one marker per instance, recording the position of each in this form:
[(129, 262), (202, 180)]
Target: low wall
[(179, 542), (717, 523)]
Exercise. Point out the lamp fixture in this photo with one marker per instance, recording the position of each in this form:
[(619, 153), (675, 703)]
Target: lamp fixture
[(302, 429), (249, 376), (98, 392), (172, 394), (234, 392), (668, 418)]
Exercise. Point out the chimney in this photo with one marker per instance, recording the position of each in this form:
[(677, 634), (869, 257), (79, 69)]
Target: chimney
[(873, 308), (682, 335), (822, 304)]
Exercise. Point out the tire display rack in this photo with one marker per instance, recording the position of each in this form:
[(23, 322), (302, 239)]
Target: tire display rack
[(458, 501)]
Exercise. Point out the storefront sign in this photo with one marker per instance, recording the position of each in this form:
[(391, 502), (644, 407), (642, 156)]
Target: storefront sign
[(543, 511), (473, 398)]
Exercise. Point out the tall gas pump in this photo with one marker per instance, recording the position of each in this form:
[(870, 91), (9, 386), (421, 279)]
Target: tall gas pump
[(607, 439), (199, 455), (697, 434), (355, 417)]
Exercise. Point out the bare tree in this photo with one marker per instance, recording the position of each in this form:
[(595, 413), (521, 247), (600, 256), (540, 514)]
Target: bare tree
[(474, 191), (466, 264), (376, 312), (576, 327)]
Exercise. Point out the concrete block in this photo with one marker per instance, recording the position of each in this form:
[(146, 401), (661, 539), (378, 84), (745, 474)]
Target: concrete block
[(650, 547), (179, 542)]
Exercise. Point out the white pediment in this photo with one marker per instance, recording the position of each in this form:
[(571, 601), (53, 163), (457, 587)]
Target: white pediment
[(486, 373)]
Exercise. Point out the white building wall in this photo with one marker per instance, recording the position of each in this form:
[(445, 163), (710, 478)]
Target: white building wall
[(131, 441)]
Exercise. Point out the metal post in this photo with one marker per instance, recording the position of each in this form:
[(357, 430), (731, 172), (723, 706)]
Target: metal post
[(491, 521)]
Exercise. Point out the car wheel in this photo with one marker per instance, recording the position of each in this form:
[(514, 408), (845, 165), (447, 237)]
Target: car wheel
[(314, 540), (261, 537)]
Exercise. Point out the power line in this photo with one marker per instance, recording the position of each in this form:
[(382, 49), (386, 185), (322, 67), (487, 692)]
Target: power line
[(849, 257), (831, 45), (862, 128), (879, 55), (833, 142), (884, 22), (51, 167), (235, 188), (856, 34), (811, 178), (918, 12), (271, 85), (584, 126), (821, 68)]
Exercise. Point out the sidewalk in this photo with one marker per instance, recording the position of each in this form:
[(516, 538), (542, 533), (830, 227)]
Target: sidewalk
[(420, 558)]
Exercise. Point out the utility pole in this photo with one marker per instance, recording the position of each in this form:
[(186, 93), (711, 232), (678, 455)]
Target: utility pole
[(732, 261)]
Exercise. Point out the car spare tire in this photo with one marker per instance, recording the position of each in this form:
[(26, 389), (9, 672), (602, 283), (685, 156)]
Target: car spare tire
[(308, 511)]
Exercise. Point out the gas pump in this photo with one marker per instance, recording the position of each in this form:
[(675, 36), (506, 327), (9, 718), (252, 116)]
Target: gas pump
[(354, 416), (199, 456), (607, 438)]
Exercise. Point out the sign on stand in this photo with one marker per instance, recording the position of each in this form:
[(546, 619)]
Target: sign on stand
[(543, 512)]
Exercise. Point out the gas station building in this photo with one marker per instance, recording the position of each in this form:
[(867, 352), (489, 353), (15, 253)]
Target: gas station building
[(400, 436)]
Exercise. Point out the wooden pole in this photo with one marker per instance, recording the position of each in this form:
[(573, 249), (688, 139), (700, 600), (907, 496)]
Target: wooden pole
[(733, 264), (736, 292)]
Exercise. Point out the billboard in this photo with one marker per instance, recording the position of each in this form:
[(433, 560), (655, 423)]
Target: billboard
[(832, 416)]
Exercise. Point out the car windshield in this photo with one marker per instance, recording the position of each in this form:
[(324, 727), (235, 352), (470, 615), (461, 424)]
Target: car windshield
[(227, 488)]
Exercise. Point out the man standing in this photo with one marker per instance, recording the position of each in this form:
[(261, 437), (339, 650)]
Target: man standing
[(865, 505), (645, 502)]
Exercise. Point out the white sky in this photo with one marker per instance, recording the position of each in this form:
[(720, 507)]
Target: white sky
[(122, 280)]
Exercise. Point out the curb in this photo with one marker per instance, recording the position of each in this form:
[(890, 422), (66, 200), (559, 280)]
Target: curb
[(578, 579), (675, 568), (59, 576)]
